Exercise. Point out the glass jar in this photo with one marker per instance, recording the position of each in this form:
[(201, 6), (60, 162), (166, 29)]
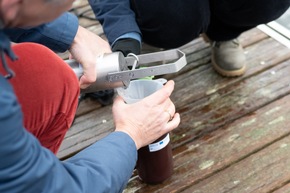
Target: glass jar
[(155, 163)]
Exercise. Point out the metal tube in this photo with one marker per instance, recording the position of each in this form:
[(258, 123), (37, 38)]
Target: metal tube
[(105, 64)]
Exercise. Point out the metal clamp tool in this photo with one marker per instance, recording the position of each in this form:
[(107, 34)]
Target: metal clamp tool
[(114, 70)]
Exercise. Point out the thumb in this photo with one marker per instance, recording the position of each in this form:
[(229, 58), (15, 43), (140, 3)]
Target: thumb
[(84, 82), (88, 78), (118, 102), (162, 95)]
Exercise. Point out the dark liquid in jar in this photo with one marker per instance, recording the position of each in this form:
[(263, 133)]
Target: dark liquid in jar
[(155, 167)]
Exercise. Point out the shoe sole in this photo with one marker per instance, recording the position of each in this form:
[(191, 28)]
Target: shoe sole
[(232, 73)]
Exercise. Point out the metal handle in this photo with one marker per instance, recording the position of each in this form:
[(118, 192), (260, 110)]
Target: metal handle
[(147, 60), (113, 72), (105, 64)]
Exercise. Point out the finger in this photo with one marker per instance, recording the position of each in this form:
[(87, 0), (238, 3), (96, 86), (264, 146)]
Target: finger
[(117, 105), (173, 123), (171, 109), (84, 82), (161, 95), (88, 78), (70, 56), (170, 113), (118, 101)]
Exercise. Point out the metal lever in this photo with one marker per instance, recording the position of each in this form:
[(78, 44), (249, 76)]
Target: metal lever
[(146, 60), (113, 69)]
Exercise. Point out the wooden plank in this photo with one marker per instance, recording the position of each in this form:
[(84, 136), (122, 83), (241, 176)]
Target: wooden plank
[(261, 172), (204, 81), (285, 188), (234, 134), (87, 105), (216, 151), (192, 89), (198, 55), (206, 100), (86, 130), (263, 88)]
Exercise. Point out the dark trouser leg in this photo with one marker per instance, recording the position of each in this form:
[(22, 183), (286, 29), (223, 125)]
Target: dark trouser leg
[(229, 18), (171, 23), (47, 90)]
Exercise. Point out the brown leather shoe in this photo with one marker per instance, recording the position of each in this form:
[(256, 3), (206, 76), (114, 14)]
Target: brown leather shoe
[(227, 57)]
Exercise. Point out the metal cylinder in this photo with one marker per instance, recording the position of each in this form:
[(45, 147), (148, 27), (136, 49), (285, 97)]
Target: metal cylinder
[(105, 64)]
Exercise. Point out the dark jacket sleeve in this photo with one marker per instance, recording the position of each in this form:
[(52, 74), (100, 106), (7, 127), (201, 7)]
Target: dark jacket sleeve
[(116, 17), (25, 166), (58, 35)]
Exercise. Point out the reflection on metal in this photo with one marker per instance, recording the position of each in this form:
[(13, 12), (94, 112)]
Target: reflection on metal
[(279, 29), (277, 32)]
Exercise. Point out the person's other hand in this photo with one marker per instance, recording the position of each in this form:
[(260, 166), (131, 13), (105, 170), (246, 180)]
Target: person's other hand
[(147, 120), (126, 46), (85, 49)]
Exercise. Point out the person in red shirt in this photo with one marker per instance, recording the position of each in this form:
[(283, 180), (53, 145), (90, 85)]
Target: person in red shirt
[(38, 100)]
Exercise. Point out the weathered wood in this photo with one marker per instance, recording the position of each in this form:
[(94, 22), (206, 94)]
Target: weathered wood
[(195, 88), (222, 108), (234, 134), (86, 130), (261, 172), (285, 188), (203, 81), (86, 106), (206, 100), (216, 151)]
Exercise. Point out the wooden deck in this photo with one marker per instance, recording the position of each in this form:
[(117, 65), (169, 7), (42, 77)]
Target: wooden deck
[(234, 134)]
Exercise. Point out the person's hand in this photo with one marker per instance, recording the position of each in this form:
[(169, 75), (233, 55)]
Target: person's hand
[(126, 46), (147, 120), (85, 49)]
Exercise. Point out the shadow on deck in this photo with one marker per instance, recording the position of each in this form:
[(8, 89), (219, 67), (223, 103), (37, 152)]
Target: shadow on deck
[(234, 134)]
